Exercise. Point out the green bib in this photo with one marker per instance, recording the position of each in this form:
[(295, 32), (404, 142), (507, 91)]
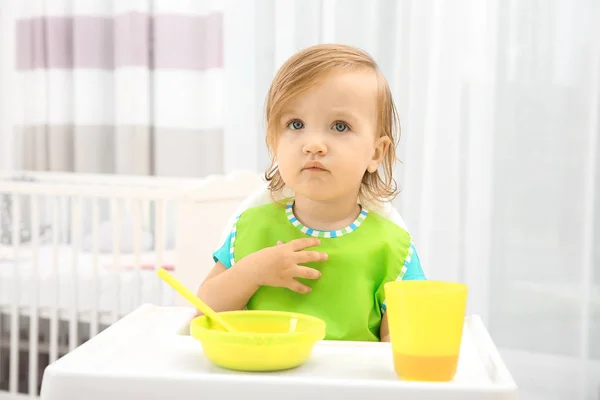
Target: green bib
[(349, 295)]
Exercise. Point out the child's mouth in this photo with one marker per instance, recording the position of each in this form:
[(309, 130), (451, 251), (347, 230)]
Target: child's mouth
[(314, 169)]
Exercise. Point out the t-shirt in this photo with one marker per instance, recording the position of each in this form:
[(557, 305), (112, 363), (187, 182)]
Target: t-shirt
[(362, 257)]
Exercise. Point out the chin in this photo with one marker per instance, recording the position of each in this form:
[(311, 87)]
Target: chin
[(315, 194)]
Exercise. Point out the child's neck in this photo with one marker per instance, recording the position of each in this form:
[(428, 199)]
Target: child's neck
[(326, 215)]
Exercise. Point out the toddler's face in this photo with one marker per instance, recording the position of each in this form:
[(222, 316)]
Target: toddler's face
[(328, 137)]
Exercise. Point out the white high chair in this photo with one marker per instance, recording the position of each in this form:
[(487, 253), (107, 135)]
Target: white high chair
[(148, 355)]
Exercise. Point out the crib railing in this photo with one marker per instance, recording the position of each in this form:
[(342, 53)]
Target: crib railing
[(79, 251), (49, 207)]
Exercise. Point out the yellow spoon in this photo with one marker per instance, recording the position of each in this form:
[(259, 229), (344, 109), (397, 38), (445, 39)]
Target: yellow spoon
[(192, 298)]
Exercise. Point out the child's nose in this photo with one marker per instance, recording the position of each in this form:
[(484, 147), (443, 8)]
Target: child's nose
[(315, 144)]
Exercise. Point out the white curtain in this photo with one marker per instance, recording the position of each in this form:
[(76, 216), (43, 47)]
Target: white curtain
[(499, 103), (7, 50), (107, 86)]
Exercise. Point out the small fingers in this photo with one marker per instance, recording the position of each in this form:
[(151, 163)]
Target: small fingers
[(298, 287), (310, 256), (303, 243), (307, 273)]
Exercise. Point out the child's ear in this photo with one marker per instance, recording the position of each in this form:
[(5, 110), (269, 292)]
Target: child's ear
[(382, 146)]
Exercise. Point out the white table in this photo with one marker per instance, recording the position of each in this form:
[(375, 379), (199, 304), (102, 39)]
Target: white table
[(149, 355)]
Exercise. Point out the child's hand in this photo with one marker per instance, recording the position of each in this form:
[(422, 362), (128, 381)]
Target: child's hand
[(280, 265)]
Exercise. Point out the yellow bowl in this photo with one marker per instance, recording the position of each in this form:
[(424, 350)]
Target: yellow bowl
[(265, 341)]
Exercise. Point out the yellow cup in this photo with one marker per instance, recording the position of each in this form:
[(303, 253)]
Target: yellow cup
[(426, 320)]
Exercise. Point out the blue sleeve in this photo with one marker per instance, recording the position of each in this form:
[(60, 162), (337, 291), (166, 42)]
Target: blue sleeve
[(412, 270), (223, 253)]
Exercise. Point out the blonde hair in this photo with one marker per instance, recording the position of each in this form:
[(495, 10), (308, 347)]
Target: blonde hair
[(305, 69)]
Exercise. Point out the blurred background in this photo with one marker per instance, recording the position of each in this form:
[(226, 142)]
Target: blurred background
[(500, 149)]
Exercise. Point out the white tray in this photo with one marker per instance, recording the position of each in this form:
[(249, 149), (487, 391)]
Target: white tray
[(148, 355)]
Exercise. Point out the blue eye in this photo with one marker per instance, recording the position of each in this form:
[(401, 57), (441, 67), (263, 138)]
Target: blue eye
[(296, 125), (340, 126)]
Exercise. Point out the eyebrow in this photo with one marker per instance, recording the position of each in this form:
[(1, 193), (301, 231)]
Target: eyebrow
[(342, 113), (350, 116), (285, 114)]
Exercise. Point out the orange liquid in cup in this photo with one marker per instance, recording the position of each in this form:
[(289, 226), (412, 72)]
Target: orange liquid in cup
[(428, 368), (426, 320)]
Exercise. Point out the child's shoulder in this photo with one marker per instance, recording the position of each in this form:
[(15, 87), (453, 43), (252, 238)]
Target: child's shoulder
[(263, 215), (385, 224)]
